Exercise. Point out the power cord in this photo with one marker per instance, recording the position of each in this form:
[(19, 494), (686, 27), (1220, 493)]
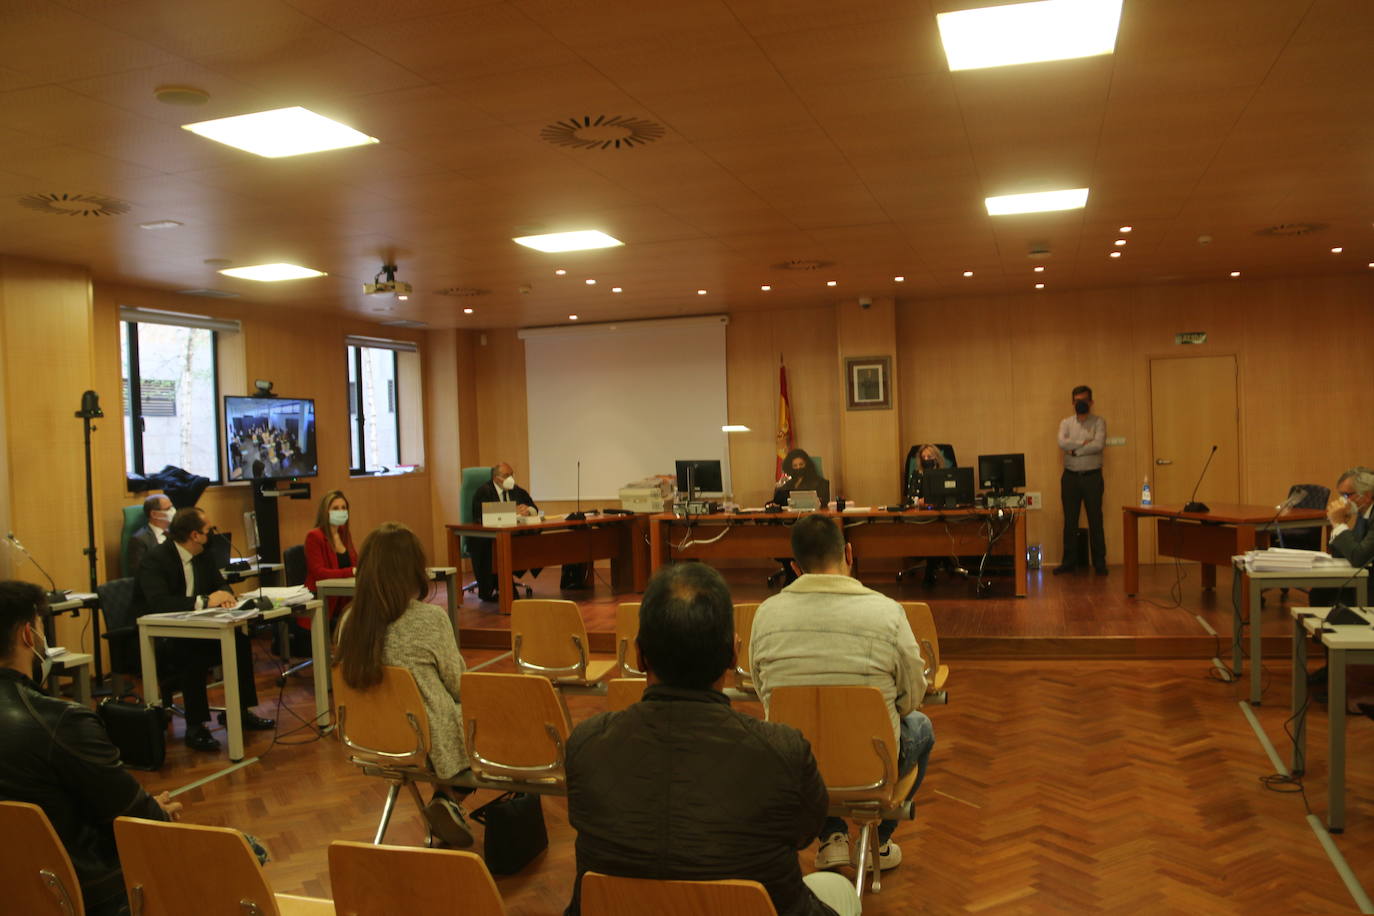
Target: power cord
[(1291, 783)]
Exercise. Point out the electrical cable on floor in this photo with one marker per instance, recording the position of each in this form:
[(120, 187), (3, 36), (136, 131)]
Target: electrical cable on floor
[(313, 724), (1290, 783)]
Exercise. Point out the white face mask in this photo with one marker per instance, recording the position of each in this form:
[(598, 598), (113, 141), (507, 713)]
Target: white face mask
[(338, 517), (40, 649), (508, 483), (164, 515)]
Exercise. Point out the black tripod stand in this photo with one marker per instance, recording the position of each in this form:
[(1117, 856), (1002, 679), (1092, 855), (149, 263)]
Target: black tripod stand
[(90, 410)]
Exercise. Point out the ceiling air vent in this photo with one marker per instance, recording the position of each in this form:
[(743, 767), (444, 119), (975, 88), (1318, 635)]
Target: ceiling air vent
[(74, 204), (1288, 230), (803, 264), (462, 292), (602, 132)]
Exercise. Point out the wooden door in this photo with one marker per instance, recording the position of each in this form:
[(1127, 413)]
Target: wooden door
[(1193, 406)]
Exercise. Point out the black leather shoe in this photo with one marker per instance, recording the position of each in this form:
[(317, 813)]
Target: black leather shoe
[(252, 722), (200, 739), (486, 596), (1101, 570), (1060, 570)]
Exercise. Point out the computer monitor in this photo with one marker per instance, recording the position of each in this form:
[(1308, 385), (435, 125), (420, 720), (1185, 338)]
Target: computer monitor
[(270, 438), (705, 476), (947, 488), (1001, 472)]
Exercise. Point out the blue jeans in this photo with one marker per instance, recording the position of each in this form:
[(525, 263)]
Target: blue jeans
[(915, 743)]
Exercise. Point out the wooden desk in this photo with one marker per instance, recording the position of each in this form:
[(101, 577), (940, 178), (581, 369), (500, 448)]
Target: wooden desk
[(1210, 538), (618, 538), (874, 533), (344, 588)]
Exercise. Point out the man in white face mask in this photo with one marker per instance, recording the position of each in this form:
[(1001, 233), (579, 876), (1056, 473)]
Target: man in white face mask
[(157, 513), (502, 488), (57, 755)]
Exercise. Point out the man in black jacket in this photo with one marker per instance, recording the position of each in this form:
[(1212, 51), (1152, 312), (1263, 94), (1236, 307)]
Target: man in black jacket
[(56, 754), (679, 785), (157, 517), (500, 489), (179, 575)]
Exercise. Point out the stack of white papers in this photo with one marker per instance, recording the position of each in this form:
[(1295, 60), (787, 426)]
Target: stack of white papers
[(1280, 559), (281, 594)]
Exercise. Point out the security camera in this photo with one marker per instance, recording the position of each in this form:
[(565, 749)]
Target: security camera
[(865, 302)]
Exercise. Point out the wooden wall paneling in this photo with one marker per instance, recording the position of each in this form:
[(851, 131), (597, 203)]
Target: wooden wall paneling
[(442, 454), (410, 404), (870, 440), (468, 430), (502, 418)]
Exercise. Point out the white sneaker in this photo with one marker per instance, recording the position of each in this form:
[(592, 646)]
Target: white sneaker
[(448, 821), (889, 855), (834, 852)]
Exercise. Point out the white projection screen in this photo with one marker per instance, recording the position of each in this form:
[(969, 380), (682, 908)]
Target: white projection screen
[(626, 399)]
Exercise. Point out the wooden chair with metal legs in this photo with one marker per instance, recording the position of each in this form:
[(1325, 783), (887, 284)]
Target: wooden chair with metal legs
[(923, 628), (624, 691), (372, 880), (856, 751), (626, 631), (173, 869), (549, 639), (744, 630), (604, 895), (35, 871), (517, 732)]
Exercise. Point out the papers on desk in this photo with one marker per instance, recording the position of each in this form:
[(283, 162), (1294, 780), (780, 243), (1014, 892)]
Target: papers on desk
[(1281, 559), (282, 594), (849, 509), (209, 613)]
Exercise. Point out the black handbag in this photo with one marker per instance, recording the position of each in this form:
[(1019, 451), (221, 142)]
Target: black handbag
[(515, 832), (137, 729)]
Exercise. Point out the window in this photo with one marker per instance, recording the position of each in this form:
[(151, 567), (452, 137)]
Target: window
[(374, 420), (174, 419)]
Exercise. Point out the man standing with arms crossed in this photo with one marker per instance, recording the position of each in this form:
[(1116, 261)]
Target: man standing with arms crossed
[(1082, 437)]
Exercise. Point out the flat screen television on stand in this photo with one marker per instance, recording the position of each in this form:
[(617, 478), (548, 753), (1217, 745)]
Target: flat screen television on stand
[(1001, 473), (699, 478), (270, 438)]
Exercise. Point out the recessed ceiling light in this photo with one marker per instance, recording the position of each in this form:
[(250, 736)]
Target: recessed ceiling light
[(402, 298), (1371, 263), (1119, 242), (280, 132), (590, 282), (467, 311), (829, 282), (572, 317), (1037, 202), (560, 272), (160, 224), (1337, 250), (271, 273), (616, 289), (1039, 270), (581, 240), (1235, 273), (1039, 286), (1114, 254), (899, 279), (734, 428), (968, 273), (1028, 33), (766, 288), (1124, 229), (701, 292)]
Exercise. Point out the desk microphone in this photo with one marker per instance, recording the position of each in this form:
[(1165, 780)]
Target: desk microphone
[(579, 515), (56, 594), (1295, 496), (1192, 505), (1340, 615)]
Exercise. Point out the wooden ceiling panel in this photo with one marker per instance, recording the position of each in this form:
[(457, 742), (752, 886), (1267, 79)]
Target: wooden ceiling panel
[(67, 168), (547, 94), (359, 14), (715, 114), (198, 31), (858, 52), (777, 17), (726, 217), (428, 119), (629, 24), (132, 90), (50, 44), (685, 60)]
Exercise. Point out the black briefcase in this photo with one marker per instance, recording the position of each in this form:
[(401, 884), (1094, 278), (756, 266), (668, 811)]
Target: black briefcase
[(514, 834), (137, 729)]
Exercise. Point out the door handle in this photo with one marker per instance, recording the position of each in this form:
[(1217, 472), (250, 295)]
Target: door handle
[(1164, 461)]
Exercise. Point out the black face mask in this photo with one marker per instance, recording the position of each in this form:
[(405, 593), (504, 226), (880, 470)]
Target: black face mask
[(929, 464), (1081, 407)]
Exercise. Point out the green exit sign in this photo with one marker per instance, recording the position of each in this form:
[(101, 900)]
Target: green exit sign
[(1191, 337)]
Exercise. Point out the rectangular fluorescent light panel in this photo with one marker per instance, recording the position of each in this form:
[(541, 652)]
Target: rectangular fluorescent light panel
[(734, 428), (280, 132), (1039, 202), (1028, 33), (271, 273), (581, 240)]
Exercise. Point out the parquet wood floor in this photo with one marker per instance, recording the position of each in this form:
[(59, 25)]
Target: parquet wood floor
[(1054, 787)]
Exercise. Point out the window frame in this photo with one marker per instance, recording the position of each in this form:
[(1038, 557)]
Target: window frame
[(358, 427), (135, 380)]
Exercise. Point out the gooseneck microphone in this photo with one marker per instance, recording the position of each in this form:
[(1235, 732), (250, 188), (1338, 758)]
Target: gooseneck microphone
[(55, 595), (1192, 505), (1295, 496)]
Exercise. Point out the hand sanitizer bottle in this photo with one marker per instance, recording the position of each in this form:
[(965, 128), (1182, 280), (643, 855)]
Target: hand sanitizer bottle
[(1145, 499)]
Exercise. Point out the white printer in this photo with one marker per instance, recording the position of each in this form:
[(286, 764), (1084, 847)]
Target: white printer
[(652, 494)]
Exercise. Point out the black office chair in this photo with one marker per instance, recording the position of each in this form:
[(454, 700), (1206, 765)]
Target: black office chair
[(291, 636), (116, 599), (1306, 538)]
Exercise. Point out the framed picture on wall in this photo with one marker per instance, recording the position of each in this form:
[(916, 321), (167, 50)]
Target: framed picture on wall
[(868, 382)]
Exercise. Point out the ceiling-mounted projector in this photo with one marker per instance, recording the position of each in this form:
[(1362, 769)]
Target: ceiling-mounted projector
[(388, 287)]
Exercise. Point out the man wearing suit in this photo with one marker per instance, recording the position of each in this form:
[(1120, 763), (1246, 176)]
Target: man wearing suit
[(179, 575), (1352, 535), (501, 488), (157, 515)]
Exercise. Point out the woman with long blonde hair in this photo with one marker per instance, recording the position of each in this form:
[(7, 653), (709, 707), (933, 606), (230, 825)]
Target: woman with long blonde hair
[(388, 623)]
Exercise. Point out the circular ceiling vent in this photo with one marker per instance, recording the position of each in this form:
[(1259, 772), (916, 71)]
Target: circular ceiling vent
[(1287, 230), (803, 264), (462, 292), (602, 132), (75, 204)]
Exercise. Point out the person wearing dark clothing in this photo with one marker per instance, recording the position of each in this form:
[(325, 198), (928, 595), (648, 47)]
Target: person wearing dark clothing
[(801, 475), (679, 785), (1082, 438), (179, 575), (501, 489), (57, 755)]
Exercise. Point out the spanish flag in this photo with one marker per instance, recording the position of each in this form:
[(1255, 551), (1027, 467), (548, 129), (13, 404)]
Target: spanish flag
[(786, 434)]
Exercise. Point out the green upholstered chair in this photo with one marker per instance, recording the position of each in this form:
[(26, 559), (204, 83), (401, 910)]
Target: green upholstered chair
[(473, 479), (133, 520)]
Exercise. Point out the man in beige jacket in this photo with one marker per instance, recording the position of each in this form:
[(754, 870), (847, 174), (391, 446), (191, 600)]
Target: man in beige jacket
[(827, 628)]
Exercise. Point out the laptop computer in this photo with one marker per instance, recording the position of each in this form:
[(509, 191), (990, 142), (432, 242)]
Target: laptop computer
[(499, 514), (803, 501)]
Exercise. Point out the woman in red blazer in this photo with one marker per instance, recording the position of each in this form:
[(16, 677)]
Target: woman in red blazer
[(329, 551)]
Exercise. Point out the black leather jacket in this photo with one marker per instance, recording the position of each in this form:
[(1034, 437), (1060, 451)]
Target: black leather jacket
[(681, 786), (56, 754)]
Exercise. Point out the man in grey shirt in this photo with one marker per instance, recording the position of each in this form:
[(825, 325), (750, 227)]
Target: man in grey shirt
[(1082, 438)]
